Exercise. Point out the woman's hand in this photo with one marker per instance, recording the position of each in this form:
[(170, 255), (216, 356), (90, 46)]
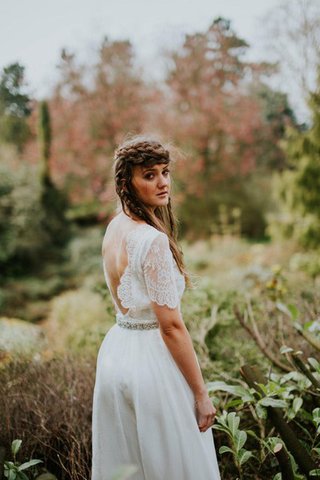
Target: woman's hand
[(205, 412)]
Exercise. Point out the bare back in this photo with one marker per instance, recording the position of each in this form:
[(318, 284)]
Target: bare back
[(114, 253)]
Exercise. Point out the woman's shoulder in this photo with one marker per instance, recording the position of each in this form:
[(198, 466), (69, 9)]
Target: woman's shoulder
[(139, 231), (147, 234)]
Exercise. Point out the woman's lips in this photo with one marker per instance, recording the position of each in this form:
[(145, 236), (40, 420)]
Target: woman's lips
[(162, 194)]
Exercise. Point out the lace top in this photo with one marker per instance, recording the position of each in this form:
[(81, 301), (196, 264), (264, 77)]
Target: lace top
[(151, 275)]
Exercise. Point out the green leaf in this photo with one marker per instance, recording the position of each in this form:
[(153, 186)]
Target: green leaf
[(233, 422), (236, 390), (316, 416), (314, 473), (261, 411), (225, 449), (12, 475), (271, 442), (294, 311), (222, 419), (29, 464), (314, 364), (278, 476), (285, 349), (297, 404), (22, 476), (273, 402), (244, 456), (15, 445), (235, 402), (240, 439), (307, 325), (284, 309), (221, 428)]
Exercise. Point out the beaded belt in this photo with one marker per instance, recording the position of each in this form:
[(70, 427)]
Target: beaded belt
[(137, 326)]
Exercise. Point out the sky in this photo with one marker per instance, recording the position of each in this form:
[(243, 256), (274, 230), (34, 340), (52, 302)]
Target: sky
[(33, 32)]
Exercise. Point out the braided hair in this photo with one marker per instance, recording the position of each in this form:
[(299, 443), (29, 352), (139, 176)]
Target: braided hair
[(146, 152)]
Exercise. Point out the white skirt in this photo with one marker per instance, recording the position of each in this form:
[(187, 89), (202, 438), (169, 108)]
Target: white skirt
[(144, 413)]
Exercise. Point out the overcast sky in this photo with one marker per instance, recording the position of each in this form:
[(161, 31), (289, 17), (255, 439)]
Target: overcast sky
[(34, 31)]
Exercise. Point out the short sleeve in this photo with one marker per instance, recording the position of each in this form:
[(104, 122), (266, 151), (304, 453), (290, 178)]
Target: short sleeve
[(159, 274)]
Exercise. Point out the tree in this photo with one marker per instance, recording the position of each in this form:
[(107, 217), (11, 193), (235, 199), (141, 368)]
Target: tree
[(216, 118), (15, 107), (45, 141), (53, 201), (277, 115), (93, 106), (299, 187)]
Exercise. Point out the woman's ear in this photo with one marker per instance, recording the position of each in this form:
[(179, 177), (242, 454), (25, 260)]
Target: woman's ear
[(123, 186)]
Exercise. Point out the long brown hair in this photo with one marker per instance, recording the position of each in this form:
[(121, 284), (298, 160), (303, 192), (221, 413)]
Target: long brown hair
[(147, 152)]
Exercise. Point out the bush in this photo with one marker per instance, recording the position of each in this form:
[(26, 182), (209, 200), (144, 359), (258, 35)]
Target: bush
[(48, 405), (79, 320), (232, 207), (21, 235), (31, 217), (20, 337)]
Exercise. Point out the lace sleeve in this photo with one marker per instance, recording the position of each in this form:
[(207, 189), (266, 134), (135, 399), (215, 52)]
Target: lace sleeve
[(159, 274)]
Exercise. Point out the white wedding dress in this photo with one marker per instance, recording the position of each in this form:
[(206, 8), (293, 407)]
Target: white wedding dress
[(143, 408)]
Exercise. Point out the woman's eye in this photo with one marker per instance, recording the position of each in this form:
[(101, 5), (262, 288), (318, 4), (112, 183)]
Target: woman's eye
[(150, 176)]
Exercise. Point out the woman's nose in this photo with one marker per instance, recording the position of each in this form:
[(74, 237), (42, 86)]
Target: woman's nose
[(163, 181)]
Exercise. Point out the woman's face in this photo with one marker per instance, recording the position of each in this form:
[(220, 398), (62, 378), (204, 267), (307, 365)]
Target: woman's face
[(152, 184)]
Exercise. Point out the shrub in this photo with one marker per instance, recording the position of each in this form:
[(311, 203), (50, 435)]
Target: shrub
[(48, 405), (31, 217), (79, 320)]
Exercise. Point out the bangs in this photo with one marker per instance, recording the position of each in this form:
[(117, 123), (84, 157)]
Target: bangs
[(151, 161)]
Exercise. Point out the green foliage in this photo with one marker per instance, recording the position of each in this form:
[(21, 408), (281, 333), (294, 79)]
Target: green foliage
[(308, 262), (298, 188), (79, 319), (68, 328), (229, 424), (44, 140), (22, 237), (12, 100), (14, 106), (15, 470), (233, 206), (277, 114), (31, 218), (54, 202)]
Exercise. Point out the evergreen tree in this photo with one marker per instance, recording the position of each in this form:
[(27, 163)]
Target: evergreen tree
[(53, 201), (14, 107), (277, 115), (300, 185), (45, 141)]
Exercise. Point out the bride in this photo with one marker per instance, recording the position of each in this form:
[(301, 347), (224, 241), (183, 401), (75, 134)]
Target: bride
[(151, 408)]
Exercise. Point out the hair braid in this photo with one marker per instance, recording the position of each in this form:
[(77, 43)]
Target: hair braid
[(146, 152)]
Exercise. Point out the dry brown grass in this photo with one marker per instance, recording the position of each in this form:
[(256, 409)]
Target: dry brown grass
[(48, 404)]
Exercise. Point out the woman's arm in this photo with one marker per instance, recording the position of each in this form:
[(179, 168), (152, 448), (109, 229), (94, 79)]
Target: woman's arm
[(178, 340), (162, 290)]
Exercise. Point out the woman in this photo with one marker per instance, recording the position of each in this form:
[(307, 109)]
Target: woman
[(150, 404)]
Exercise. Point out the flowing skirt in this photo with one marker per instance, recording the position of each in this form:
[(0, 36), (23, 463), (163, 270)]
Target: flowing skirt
[(144, 413)]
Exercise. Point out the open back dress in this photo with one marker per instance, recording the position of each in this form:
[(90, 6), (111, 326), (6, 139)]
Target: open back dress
[(143, 408)]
